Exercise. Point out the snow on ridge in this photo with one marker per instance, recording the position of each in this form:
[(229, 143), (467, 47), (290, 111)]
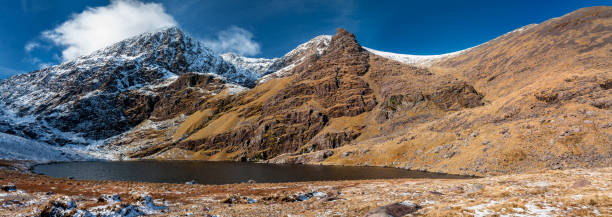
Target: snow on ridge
[(523, 28), (296, 56), (416, 60), (258, 66), (321, 39), (429, 60)]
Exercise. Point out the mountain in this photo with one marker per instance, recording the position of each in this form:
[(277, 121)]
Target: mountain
[(279, 67), (108, 92), (153, 76), (537, 97), (334, 98)]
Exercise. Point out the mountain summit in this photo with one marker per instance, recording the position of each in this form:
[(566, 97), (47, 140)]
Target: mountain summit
[(92, 97)]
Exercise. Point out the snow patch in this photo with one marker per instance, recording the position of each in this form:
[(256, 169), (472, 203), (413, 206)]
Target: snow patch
[(416, 60), (234, 88), (17, 148), (429, 60), (297, 56)]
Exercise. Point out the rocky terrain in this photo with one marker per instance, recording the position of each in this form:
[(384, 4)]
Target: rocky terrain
[(534, 98), (576, 192)]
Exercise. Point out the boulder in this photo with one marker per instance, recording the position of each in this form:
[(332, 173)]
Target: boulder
[(394, 210), (9, 188), (581, 183)]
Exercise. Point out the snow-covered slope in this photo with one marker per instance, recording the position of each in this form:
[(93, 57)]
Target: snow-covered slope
[(416, 60), (17, 148), (278, 67), (316, 46), (429, 60), (100, 95), (256, 66)]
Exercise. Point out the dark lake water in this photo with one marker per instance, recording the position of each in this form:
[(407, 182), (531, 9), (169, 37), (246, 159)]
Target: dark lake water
[(221, 172)]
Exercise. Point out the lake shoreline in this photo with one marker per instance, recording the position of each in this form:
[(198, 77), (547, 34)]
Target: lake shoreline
[(578, 190), (226, 172)]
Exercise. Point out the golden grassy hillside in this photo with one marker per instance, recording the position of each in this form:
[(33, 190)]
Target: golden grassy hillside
[(534, 98)]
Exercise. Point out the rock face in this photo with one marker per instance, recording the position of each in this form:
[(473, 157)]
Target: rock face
[(322, 87), (321, 104)]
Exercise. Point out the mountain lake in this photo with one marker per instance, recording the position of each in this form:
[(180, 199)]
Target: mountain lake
[(203, 172)]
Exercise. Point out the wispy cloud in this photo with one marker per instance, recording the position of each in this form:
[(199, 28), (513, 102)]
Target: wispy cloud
[(31, 45), (98, 27), (235, 40)]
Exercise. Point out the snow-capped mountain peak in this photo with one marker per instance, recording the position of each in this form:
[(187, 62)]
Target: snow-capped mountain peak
[(86, 99), (285, 64), (108, 92)]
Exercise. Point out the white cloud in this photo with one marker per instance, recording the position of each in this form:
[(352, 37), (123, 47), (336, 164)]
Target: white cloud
[(96, 28), (235, 40), (31, 46)]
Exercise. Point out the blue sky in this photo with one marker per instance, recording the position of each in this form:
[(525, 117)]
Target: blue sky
[(272, 28)]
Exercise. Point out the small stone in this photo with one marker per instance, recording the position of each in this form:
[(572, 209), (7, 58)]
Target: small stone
[(581, 183), (192, 182), (394, 210), (457, 189), (327, 154), (9, 188), (319, 194), (251, 181), (419, 151), (9, 203), (304, 197), (403, 139), (71, 204), (436, 193), (346, 154), (233, 199), (449, 155), (329, 198), (110, 198), (475, 188)]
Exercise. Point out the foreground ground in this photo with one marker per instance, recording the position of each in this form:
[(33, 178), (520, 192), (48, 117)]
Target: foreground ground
[(576, 192)]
